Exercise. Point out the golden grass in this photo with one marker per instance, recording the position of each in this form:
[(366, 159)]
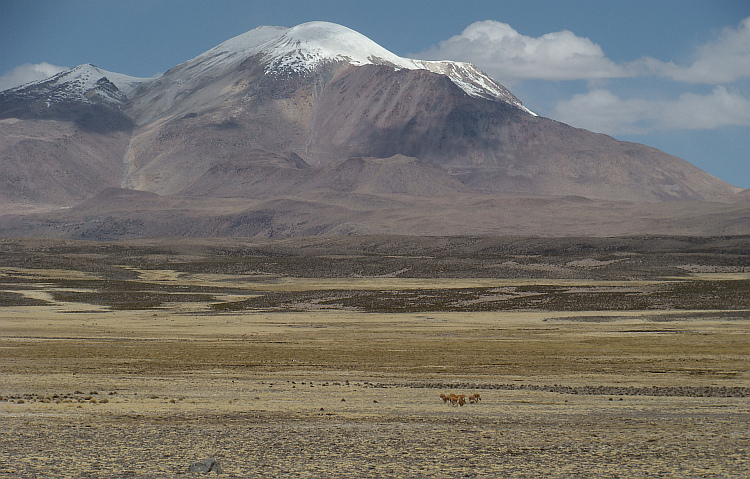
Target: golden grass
[(340, 392)]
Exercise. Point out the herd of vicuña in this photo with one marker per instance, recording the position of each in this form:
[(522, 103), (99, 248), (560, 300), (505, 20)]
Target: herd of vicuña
[(460, 399)]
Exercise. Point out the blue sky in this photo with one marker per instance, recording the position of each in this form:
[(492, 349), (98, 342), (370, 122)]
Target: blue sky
[(672, 74)]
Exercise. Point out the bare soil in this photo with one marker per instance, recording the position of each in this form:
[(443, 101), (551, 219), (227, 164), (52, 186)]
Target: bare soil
[(327, 357)]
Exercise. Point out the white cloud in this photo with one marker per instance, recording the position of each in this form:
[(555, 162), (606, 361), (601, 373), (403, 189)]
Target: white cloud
[(724, 60), (28, 73), (509, 56), (604, 112)]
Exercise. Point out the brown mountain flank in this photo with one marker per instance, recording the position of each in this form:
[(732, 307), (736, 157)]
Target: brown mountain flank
[(243, 141)]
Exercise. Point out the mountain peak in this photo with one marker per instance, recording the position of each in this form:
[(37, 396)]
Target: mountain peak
[(307, 45), (302, 47), (316, 129), (85, 83), (305, 48)]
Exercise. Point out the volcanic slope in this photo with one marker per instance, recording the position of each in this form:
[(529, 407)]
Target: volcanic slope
[(327, 93), (317, 129)]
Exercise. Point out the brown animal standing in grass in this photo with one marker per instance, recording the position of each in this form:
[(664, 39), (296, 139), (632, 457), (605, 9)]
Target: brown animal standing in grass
[(460, 399), (449, 397)]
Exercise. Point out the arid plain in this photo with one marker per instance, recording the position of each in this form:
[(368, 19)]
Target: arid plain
[(326, 357)]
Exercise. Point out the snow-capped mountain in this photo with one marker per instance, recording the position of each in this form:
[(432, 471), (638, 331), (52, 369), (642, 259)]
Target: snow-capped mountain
[(83, 84), (62, 138), (316, 125), (326, 93), (308, 49)]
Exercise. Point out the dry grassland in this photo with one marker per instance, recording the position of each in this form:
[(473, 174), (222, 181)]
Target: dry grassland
[(139, 359)]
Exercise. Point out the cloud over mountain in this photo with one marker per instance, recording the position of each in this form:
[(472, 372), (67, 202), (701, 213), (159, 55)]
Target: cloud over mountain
[(509, 56), (28, 72), (609, 106)]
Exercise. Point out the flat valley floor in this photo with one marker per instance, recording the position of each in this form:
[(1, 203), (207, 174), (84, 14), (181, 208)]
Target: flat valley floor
[(326, 357)]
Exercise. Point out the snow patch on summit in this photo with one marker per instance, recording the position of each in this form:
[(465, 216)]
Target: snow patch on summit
[(307, 47), (85, 83)]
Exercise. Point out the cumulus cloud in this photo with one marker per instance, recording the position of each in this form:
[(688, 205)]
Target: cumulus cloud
[(28, 72), (509, 56), (724, 60), (604, 112)]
